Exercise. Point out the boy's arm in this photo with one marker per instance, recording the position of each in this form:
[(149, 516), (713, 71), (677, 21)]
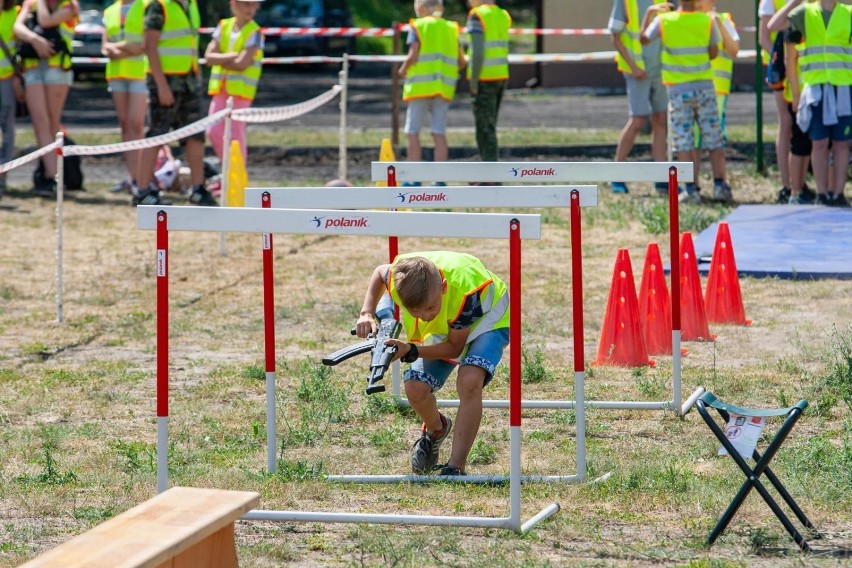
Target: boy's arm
[(763, 34), (635, 72), (713, 48), (791, 62), (449, 349), (410, 59), (650, 14), (729, 43), (366, 323), (781, 20)]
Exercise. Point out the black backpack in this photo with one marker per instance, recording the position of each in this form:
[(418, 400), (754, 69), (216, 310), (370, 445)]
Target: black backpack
[(73, 172)]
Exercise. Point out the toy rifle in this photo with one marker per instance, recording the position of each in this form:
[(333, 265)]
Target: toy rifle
[(381, 354)]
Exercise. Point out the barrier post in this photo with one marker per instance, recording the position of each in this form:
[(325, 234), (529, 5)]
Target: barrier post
[(162, 352), (342, 166), (226, 168), (758, 93), (674, 236), (269, 342), (579, 333), (60, 192)]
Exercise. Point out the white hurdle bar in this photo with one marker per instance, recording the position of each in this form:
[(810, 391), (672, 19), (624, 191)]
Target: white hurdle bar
[(454, 197), (571, 172), (514, 228)]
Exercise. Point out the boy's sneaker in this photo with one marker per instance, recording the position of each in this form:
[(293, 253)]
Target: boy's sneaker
[(200, 196), (424, 453), (800, 200), (661, 187), (440, 184), (839, 200), (784, 195), (807, 193), (411, 184), (619, 187), (690, 193), (448, 469), (150, 196), (722, 192), (823, 199)]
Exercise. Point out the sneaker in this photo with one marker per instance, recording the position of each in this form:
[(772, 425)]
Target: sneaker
[(800, 200), (722, 192), (440, 184), (661, 187), (200, 196), (122, 186), (45, 188), (807, 193), (839, 200), (151, 196), (448, 469), (823, 199), (619, 187), (690, 193), (784, 195), (411, 184), (424, 453)]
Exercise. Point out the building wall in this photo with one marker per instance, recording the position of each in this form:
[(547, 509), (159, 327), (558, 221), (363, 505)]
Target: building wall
[(595, 14)]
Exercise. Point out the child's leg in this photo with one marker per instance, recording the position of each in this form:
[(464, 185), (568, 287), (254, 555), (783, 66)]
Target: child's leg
[(438, 125), (782, 142), (238, 127), (469, 384), (423, 403), (819, 158), (839, 166), (413, 121), (216, 133), (711, 131)]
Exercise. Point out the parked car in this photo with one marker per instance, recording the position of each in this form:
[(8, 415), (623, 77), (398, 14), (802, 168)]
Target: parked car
[(305, 14), (87, 37)]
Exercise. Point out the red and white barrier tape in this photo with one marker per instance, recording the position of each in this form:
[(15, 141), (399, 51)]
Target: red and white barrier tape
[(275, 114)]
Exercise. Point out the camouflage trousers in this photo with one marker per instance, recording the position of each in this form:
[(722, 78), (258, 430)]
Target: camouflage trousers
[(486, 105)]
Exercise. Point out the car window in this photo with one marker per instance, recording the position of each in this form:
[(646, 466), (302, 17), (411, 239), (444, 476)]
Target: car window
[(277, 10)]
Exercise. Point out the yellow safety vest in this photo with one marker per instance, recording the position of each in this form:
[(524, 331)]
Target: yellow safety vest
[(236, 83), (465, 276), (630, 36), (772, 35), (178, 45), (788, 90), (66, 32), (723, 64), (132, 31), (495, 31), (685, 38), (437, 68), (827, 56), (7, 20)]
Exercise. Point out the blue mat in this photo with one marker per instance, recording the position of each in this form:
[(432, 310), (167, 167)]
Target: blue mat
[(785, 241)]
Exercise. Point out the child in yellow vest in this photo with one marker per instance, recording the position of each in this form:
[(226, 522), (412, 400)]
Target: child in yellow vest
[(431, 70), (690, 41), (236, 53), (455, 313)]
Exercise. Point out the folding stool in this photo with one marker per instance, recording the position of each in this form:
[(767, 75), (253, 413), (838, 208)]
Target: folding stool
[(793, 413)]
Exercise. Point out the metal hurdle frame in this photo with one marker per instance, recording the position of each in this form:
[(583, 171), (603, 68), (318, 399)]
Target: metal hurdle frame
[(574, 197), (514, 228), (570, 172)]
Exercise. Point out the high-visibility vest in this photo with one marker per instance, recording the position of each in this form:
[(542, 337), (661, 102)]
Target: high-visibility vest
[(795, 75), (465, 276), (495, 31), (827, 56), (131, 31), (772, 35), (685, 37), (66, 32), (237, 83), (630, 36), (7, 20), (437, 68), (178, 45), (723, 64)]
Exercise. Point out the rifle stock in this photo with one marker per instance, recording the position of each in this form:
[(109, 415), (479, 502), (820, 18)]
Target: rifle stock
[(380, 357)]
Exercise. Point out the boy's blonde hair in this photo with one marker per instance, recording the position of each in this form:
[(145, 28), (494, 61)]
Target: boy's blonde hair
[(437, 6), (415, 279)]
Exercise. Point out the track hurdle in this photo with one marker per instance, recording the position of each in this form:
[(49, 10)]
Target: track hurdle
[(514, 228), (572, 172), (574, 197)]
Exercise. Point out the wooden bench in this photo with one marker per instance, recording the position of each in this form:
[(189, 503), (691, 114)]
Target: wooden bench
[(180, 528)]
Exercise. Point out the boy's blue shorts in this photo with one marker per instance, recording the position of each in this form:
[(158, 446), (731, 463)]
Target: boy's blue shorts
[(484, 352), (819, 131)]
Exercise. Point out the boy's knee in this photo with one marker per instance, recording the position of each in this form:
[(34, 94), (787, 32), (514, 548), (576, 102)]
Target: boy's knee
[(637, 122), (417, 390), (470, 382)]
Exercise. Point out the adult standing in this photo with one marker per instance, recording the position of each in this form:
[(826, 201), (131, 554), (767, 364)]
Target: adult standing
[(8, 15), (47, 28), (642, 70), (122, 44), (488, 70)]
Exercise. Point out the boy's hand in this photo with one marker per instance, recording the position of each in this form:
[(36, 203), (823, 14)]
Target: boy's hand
[(639, 74), (366, 325), (402, 348), (665, 7)]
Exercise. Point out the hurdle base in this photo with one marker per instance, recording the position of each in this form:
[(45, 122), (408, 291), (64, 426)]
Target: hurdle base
[(471, 479), (690, 402), (559, 404)]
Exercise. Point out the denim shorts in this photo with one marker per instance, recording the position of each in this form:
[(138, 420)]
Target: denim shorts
[(128, 86), (818, 130), (44, 74), (484, 352), (437, 107)]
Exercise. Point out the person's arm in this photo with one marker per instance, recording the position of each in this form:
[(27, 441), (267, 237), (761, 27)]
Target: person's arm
[(730, 44), (48, 19), (462, 59), (213, 56), (619, 46), (366, 323), (781, 20), (791, 62), (763, 34), (650, 14), (410, 59), (41, 46), (713, 48)]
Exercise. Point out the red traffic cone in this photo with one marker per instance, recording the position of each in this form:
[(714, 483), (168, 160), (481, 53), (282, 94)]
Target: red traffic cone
[(723, 299), (655, 313), (692, 317), (621, 336)]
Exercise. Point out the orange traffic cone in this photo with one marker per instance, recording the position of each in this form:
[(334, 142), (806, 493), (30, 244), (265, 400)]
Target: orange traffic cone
[(723, 299), (655, 313), (621, 336), (692, 317)]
